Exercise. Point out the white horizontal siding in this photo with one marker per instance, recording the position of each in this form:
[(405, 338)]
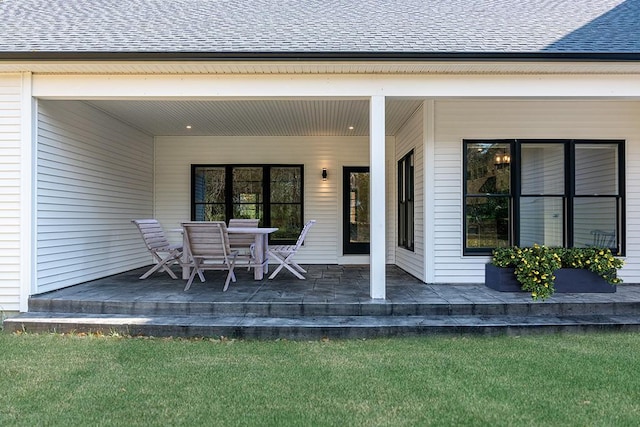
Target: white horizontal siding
[(94, 175), (10, 181), (322, 199), (458, 120), (410, 137)]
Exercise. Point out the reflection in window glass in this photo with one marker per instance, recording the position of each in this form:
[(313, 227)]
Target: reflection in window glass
[(271, 194), (488, 186), (596, 169), (286, 185), (541, 221), (595, 221), (285, 197), (359, 207), (209, 193), (288, 219), (247, 192), (488, 168), (542, 169), (487, 222)]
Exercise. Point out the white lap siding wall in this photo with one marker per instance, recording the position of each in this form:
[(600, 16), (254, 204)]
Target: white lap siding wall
[(410, 137), (10, 182), (94, 175), (322, 199), (487, 119)]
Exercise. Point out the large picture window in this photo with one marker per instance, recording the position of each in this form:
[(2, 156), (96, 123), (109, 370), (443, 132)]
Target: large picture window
[(559, 193), (271, 193)]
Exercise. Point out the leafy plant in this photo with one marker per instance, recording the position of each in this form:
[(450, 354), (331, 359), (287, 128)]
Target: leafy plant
[(534, 266)]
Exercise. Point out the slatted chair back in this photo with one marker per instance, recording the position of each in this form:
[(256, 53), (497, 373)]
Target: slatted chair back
[(207, 239), (208, 247), (242, 242), (303, 233), (163, 252), (152, 234)]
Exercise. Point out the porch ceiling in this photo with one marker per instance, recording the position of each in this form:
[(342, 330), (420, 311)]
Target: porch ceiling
[(288, 117)]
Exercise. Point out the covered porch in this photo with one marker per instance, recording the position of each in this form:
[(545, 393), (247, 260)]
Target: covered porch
[(112, 150)]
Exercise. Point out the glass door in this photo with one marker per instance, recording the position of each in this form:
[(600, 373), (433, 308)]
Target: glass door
[(355, 209)]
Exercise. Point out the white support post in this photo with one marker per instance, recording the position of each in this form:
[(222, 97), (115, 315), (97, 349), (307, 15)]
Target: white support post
[(27, 196), (377, 197), (428, 166)]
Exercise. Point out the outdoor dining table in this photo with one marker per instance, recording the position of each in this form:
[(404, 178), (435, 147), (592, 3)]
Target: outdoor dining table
[(261, 263)]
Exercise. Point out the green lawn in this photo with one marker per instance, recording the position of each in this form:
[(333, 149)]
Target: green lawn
[(563, 380)]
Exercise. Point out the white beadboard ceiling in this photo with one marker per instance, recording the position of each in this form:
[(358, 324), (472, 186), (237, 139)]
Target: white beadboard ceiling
[(269, 117)]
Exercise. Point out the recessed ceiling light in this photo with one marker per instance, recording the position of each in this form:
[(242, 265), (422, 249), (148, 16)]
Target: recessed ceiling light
[(350, 127), (188, 126)]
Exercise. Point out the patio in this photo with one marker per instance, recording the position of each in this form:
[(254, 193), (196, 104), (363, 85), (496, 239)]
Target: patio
[(333, 301)]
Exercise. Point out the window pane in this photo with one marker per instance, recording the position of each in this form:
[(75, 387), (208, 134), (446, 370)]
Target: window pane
[(542, 169), (248, 210), (487, 222), (596, 169), (541, 220), (209, 184), (594, 222), (359, 207), (247, 184), (488, 168), (286, 184), (288, 219), (210, 212), (247, 192)]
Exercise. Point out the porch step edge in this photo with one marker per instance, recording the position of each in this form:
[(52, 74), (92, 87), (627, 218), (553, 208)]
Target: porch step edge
[(310, 308), (313, 327)]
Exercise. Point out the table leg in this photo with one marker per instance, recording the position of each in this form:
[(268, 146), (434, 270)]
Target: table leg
[(258, 270), (186, 271), (265, 252)]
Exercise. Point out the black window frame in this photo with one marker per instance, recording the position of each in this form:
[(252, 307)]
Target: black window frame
[(568, 197), (266, 185), (406, 201)]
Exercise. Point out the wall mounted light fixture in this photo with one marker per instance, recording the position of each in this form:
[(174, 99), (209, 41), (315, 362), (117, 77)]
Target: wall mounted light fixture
[(324, 174)]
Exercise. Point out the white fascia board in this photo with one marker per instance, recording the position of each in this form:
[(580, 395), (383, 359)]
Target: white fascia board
[(320, 67), (332, 85)]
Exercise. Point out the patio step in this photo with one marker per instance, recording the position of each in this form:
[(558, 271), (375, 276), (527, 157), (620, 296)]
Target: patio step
[(285, 309), (314, 327)]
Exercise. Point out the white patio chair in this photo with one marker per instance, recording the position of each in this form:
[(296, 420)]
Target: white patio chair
[(284, 254), (207, 246), (243, 243), (157, 243)]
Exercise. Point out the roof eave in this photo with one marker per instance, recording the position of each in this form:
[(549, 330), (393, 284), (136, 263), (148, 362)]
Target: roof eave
[(321, 56)]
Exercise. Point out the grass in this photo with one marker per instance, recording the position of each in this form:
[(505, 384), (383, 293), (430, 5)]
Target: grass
[(563, 380)]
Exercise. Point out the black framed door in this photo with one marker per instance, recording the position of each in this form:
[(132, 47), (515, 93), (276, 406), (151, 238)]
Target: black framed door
[(355, 210)]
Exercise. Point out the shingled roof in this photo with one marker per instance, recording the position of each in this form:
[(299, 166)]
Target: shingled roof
[(36, 28)]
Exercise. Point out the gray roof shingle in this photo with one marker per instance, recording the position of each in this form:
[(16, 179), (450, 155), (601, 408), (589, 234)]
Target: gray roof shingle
[(320, 26)]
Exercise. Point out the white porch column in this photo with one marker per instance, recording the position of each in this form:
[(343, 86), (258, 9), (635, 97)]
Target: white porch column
[(27, 195), (377, 196)]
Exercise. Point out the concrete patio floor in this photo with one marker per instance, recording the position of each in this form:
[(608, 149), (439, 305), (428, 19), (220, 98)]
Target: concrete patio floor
[(323, 284)]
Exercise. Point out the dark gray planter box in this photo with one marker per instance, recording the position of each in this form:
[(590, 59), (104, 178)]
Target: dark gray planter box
[(568, 280)]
